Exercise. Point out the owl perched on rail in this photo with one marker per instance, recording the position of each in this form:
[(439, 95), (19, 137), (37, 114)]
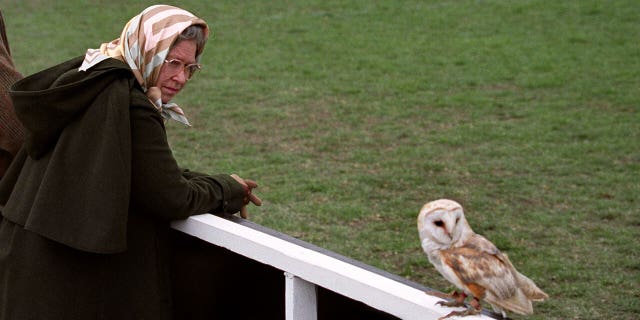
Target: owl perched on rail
[(472, 263)]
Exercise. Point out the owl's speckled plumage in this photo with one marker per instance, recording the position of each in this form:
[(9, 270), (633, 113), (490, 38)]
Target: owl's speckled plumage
[(471, 262)]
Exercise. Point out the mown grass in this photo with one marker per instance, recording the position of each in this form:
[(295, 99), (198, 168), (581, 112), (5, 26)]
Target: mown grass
[(352, 114)]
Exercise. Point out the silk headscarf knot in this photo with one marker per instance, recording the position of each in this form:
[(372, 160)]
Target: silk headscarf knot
[(144, 45)]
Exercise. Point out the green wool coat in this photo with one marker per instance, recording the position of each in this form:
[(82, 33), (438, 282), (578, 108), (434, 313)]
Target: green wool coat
[(86, 203)]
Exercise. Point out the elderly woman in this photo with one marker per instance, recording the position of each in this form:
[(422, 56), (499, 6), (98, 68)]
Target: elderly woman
[(87, 202)]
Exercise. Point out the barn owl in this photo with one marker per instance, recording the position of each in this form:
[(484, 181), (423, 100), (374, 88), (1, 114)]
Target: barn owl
[(472, 263)]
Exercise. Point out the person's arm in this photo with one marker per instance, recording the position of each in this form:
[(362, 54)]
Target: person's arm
[(188, 174), (159, 187)]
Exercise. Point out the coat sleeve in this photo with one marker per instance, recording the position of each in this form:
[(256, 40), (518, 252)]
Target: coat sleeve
[(159, 187)]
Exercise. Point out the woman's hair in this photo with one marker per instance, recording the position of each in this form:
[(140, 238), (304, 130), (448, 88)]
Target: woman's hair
[(193, 32)]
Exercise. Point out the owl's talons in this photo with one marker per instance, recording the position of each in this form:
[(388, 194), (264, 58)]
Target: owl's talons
[(453, 303), (469, 312), (458, 299), (474, 306)]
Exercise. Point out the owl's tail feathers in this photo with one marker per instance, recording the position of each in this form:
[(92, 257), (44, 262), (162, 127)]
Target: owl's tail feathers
[(530, 289), (520, 301), (517, 303)]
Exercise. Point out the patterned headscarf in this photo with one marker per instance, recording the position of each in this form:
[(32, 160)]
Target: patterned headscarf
[(144, 45)]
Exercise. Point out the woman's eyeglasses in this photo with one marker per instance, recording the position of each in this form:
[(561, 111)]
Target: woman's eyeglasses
[(174, 66)]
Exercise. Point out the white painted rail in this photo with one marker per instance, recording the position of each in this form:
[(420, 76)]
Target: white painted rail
[(305, 268)]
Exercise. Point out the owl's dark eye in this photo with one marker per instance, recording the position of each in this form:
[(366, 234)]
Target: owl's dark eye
[(438, 223), (457, 219)]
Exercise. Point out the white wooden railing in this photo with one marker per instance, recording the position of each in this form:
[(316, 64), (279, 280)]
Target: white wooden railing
[(305, 268)]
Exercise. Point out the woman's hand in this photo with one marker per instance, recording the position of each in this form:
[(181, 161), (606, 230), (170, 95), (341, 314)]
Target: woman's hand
[(248, 185)]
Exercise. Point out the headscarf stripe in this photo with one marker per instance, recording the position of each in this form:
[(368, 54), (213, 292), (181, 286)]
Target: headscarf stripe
[(171, 14), (156, 61), (165, 33)]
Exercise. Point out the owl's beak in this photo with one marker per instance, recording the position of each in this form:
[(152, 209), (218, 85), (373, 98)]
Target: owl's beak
[(449, 227)]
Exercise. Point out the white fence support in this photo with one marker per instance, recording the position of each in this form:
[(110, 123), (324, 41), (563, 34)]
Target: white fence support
[(306, 268), (300, 299)]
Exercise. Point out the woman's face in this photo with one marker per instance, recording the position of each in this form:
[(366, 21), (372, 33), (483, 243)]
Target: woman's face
[(170, 83)]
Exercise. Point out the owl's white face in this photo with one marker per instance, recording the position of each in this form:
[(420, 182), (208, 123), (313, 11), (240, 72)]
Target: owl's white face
[(441, 224)]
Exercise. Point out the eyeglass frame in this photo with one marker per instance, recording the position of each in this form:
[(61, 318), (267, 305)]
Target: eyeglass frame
[(186, 68)]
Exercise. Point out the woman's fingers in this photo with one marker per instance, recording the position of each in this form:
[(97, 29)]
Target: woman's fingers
[(249, 185), (243, 212), (255, 200)]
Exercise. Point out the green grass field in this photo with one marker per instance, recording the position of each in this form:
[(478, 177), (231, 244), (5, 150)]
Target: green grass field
[(352, 114)]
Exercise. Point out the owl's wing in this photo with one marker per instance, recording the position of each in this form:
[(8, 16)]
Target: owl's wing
[(481, 268)]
